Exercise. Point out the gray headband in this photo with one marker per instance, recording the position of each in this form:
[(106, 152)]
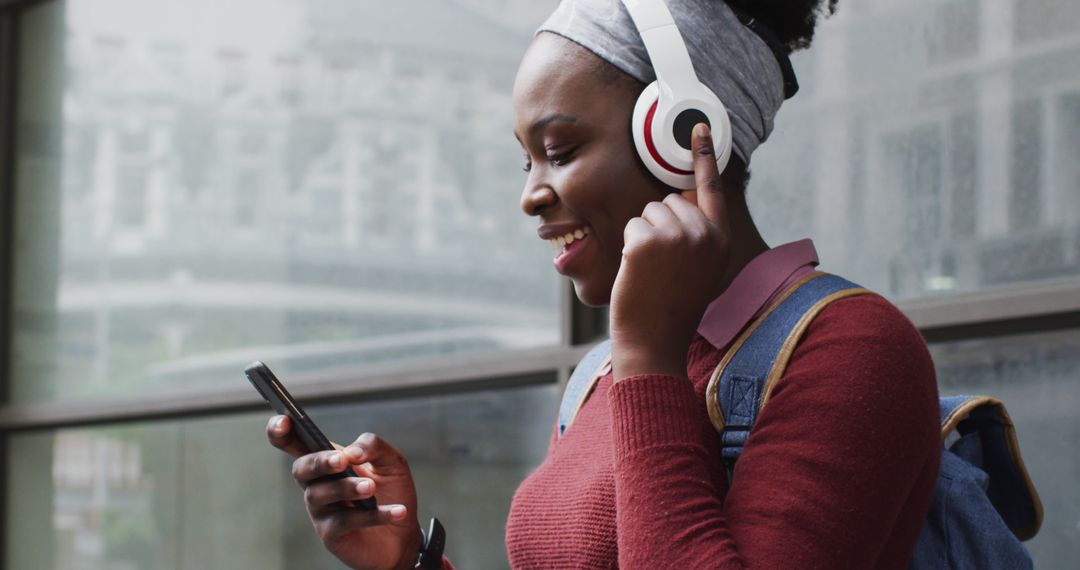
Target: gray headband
[(729, 58)]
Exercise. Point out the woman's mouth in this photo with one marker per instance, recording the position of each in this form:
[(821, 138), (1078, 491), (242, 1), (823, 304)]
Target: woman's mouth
[(567, 246)]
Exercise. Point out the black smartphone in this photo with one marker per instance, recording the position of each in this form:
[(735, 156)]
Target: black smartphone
[(273, 391)]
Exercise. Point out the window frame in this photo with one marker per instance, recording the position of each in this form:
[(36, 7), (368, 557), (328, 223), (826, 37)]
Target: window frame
[(8, 61), (1036, 307)]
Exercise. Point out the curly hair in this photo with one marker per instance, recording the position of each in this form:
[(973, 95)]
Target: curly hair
[(792, 21)]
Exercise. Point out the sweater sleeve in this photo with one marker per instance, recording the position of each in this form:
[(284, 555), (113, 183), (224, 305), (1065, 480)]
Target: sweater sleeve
[(843, 453)]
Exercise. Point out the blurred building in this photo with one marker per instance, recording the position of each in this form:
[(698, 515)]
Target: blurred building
[(932, 148), (355, 165)]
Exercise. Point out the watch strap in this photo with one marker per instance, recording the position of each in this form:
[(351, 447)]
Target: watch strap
[(431, 552)]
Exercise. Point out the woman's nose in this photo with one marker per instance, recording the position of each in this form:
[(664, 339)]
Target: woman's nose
[(536, 197)]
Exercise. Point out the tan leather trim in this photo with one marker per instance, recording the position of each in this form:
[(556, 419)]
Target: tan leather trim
[(716, 415), (960, 413), (786, 350), (588, 390)]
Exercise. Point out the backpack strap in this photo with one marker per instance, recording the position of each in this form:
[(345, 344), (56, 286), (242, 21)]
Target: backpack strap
[(747, 375), (979, 430), (582, 382)]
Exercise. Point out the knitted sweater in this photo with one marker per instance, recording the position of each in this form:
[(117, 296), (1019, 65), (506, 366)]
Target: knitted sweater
[(838, 472)]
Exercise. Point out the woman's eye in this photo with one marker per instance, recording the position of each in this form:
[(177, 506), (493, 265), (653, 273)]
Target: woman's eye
[(559, 159), (527, 166)]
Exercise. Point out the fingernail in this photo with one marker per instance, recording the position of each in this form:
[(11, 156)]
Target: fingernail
[(337, 461), (277, 423), (363, 486), (701, 130), (354, 452), (397, 511)]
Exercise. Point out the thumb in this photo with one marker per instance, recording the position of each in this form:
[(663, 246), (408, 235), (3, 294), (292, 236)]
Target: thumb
[(370, 448), (710, 197)]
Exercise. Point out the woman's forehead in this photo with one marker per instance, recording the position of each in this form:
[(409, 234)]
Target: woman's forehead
[(551, 61), (556, 72)]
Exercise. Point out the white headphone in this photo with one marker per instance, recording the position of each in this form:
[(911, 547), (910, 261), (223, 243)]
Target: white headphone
[(668, 109)]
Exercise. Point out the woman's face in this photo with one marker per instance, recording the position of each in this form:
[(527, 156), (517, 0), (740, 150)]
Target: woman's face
[(584, 176)]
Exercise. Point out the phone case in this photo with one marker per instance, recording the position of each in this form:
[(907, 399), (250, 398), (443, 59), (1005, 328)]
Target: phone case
[(273, 391)]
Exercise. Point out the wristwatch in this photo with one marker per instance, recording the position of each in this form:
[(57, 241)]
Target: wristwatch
[(431, 551)]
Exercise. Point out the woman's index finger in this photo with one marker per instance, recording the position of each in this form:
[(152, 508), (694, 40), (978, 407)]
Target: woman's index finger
[(710, 197)]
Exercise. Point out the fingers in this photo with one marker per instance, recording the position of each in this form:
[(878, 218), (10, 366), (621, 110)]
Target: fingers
[(384, 458), (340, 522), (676, 218), (317, 465), (710, 196), (333, 492), (658, 214), (636, 233), (279, 432)]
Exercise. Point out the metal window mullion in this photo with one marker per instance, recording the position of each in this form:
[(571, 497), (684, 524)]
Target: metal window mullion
[(8, 61), (582, 326), (404, 379), (567, 322), (10, 7), (1006, 311)]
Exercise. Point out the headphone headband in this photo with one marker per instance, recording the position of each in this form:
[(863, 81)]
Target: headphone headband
[(667, 51), (668, 108)]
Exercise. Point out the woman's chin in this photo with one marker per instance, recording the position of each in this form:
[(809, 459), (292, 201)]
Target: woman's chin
[(592, 295)]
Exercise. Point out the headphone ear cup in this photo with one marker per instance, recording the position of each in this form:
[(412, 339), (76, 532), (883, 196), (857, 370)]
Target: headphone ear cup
[(666, 158), (645, 102), (649, 150)]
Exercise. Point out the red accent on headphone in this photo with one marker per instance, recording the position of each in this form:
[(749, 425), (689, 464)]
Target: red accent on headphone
[(652, 148)]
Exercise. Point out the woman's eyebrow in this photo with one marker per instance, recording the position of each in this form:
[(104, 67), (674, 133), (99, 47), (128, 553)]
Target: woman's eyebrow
[(551, 119)]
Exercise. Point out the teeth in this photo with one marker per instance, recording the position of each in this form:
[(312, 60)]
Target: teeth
[(563, 241)]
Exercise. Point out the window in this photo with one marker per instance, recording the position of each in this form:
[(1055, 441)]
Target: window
[(928, 180), (1035, 375), (189, 202), (368, 252), (207, 493), (333, 188)]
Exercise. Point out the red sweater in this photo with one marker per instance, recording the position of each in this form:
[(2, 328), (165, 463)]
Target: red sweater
[(837, 473)]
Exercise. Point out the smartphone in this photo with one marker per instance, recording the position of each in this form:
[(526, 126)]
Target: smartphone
[(273, 391)]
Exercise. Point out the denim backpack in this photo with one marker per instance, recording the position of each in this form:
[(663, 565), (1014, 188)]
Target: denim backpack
[(984, 503)]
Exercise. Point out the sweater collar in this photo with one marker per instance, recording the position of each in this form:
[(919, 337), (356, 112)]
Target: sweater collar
[(765, 277)]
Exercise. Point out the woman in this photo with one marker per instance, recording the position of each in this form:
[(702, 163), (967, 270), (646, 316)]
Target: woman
[(842, 463)]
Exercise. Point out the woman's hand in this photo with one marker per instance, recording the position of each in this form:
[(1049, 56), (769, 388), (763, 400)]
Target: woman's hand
[(674, 258), (387, 538)]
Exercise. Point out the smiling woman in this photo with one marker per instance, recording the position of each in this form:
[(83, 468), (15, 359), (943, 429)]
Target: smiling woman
[(193, 192), (640, 459), (580, 144), (638, 480)]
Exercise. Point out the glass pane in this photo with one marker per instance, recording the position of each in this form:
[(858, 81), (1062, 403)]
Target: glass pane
[(200, 494), (932, 148), (334, 186), (1036, 376)]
